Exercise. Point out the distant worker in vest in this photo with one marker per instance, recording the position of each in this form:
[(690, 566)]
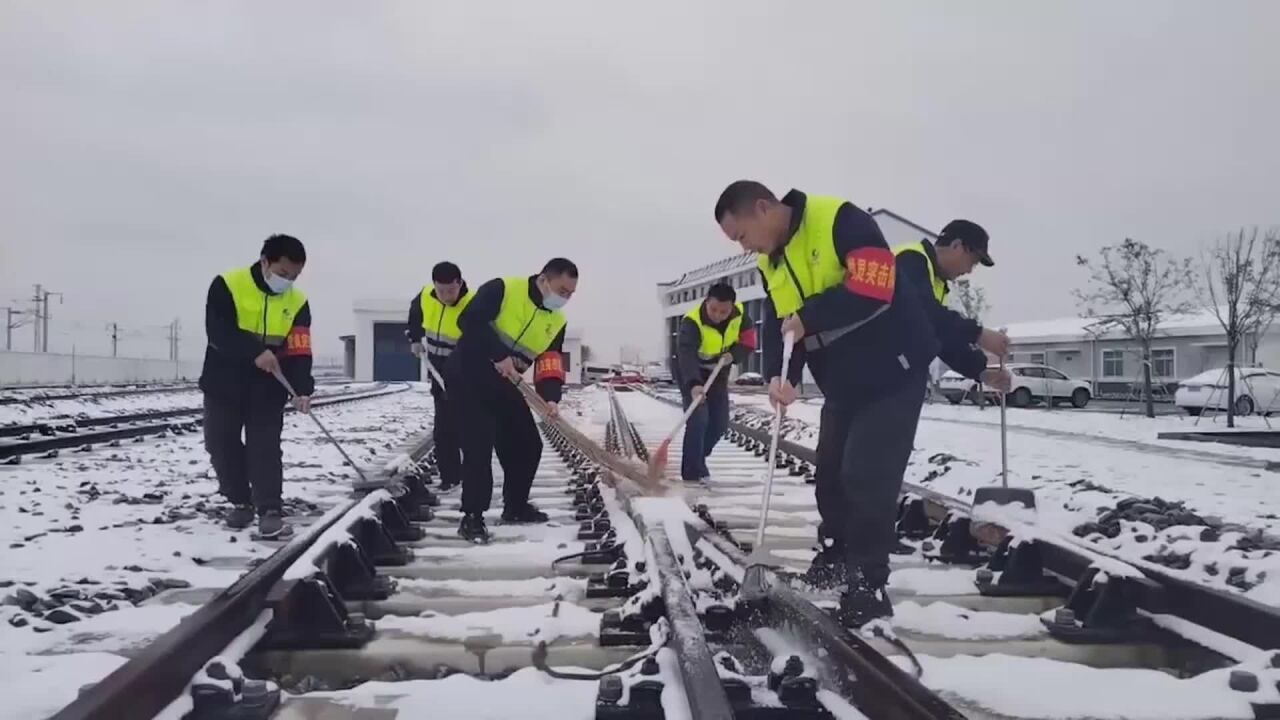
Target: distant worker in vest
[(960, 248), (831, 283), (718, 326), (258, 326), (512, 325), (434, 333)]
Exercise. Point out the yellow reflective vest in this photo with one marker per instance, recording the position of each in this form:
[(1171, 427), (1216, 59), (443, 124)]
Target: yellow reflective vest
[(269, 318), (524, 327), (713, 343), (440, 322), (809, 263), (935, 281)]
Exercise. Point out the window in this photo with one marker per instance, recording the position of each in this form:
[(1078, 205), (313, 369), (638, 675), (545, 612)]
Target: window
[(1029, 372), (1053, 374), (1113, 363), (1036, 358), (1162, 363)]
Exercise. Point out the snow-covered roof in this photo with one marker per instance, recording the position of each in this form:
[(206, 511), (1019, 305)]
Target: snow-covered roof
[(1200, 322)]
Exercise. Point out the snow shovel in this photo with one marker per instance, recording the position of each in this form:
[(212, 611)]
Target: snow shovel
[(658, 463), (363, 480), (1004, 495), (435, 374), (753, 580)]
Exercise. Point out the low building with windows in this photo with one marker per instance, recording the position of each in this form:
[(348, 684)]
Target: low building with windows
[(1184, 346), (379, 349), (677, 297)]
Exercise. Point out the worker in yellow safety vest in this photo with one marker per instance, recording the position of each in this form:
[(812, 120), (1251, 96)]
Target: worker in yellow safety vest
[(832, 285), (513, 325), (930, 266), (434, 333), (258, 325), (717, 326)]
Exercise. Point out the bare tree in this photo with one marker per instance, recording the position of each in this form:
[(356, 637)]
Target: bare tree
[(972, 299), (1238, 278), (1133, 287)]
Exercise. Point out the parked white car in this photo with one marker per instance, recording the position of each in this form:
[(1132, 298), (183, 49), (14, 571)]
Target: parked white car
[(1031, 383), (1257, 390)]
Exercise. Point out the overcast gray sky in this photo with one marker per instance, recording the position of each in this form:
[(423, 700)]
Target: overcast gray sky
[(145, 147)]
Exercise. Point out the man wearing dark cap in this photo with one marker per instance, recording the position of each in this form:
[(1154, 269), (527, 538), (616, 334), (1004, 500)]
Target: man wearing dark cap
[(960, 247)]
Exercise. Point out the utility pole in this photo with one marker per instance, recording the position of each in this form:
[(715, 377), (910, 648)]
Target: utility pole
[(115, 337), (175, 329), (9, 325), (35, 314), (41, 314)]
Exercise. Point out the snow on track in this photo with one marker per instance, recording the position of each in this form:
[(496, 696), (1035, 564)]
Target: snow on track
[(109, 528), (930, 601), (1077, 479)]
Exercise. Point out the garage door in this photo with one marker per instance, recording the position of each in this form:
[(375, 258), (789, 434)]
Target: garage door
[(392, 359)]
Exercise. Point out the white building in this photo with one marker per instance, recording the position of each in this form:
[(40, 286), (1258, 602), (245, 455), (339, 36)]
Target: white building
[(379, 350), (1184, 346), (679, 296)]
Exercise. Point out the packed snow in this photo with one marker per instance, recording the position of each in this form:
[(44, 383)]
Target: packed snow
[(1224, 533), (91, 538)]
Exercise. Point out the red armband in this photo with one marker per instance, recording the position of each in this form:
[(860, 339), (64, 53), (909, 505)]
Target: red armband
[(548, 366), (298, 342), (869, 272), (747, 339)]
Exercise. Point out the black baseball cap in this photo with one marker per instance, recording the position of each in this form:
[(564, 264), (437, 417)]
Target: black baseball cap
[(971, 236)]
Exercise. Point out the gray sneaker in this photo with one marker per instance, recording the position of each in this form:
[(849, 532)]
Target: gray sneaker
[(271, 526), (240, 517)]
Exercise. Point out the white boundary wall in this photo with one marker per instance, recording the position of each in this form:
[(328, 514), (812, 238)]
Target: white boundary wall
[(23, 368)]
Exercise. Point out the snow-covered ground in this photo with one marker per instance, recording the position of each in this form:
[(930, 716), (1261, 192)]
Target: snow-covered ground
[(45, 410), (87, 537), (988, 680), (1082, 465)]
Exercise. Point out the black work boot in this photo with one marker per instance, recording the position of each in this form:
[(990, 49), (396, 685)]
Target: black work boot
[(240, 517), (472, 529), (271, 525), (527, 514), (863, 602), (826, 571)]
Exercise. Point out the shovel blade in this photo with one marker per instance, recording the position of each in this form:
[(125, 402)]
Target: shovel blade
[(1005, 496)]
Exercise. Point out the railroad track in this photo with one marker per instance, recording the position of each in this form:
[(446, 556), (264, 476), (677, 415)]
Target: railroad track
[(1084, 607), (623, 606), (48, 438), (131, 390)]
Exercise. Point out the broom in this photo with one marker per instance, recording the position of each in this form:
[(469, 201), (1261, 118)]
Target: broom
[(658, 461)]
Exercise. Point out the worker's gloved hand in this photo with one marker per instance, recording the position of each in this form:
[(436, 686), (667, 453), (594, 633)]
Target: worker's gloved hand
[(997, 379), (696, 391), (302, 404), (793, 325), (507, 368), (994, 342), (416, 349), (267, 362), (781, 392), (553, 410)]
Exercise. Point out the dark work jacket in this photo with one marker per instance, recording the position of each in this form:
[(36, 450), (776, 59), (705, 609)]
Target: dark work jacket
[(687, 372), (228, 358), (479, 348), (415, 331), (893, 347), (956, 333)]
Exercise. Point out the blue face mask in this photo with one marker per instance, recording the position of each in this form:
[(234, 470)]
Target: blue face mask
[(552, 301), (276, 283)]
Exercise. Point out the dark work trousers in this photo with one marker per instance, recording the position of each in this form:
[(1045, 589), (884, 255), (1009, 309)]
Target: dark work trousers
[(863, 452), (249, 470), (447, 435), (705, 427), (496, 419)]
